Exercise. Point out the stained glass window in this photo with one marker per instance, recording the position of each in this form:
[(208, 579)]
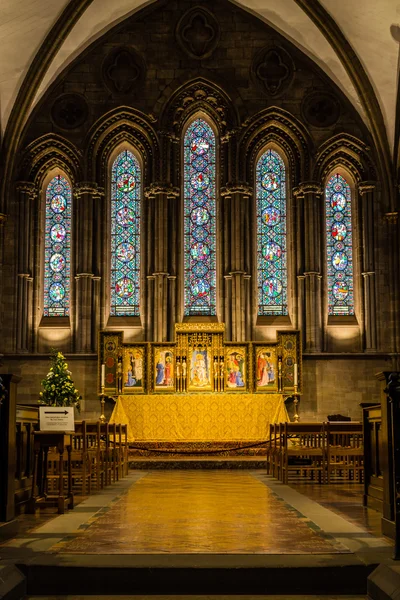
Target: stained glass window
[(57, 248), (271, 235), (199, 228), (125, 235), (339, 246)]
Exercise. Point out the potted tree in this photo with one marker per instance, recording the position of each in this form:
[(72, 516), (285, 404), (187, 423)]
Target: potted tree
[(58, 387)]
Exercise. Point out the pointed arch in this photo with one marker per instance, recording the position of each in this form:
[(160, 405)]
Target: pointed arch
[(339, 245), (57, 251), (126, 195), (271, 234), (199, 184)]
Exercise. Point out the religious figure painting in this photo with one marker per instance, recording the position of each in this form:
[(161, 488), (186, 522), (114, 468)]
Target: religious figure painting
[(200, 369), (235, 369), (164, 368), (133, 378), (266, 368)]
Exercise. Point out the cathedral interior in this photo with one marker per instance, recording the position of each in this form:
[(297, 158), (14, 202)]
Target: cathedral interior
[(188, 190)]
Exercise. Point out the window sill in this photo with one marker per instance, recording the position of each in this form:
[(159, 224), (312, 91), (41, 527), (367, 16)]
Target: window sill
[(58, 322), (122, 321), (337, 321), (282, 321)]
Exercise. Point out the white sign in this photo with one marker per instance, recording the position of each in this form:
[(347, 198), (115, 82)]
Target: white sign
[(57, 418)]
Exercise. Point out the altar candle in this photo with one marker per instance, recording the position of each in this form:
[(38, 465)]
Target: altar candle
[(295, 374), (103, 375)]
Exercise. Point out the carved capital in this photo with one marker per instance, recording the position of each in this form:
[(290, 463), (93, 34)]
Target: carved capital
[(3, 219), (391, 217), (27, 187), (237, 188), (366, 186), (84, 276), (315, 274), (161, 188), (308, 187), (368, 274), (228, 135), (88, 187)]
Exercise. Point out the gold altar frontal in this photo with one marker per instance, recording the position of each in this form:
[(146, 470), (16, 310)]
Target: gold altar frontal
[(199, 417)]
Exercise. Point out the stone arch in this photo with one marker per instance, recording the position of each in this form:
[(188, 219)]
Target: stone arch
[(275, 125), (123, 124), (49, 152)]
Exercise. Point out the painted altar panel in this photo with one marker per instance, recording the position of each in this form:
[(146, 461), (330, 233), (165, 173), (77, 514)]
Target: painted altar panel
[(200, 369), (134, 369), (200, 361), (266, 368), (163, 368), (236, 368)]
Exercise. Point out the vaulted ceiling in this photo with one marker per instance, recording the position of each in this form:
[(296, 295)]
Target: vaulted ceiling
[(371, 27)]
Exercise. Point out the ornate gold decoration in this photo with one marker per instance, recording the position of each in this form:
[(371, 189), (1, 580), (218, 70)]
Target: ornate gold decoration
[(391, 217), (186, 327), (3, 219)]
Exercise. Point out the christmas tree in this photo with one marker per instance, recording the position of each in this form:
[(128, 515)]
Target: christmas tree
[(58, 387)]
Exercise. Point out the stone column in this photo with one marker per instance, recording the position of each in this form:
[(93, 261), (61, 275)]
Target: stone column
[(87, 267), (366, 190), (162, 201), (392, 328), (27, 193), (310, 305), (236, 252)]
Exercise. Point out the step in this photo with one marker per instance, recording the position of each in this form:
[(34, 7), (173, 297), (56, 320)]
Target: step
[(197, 462), (196, 574)]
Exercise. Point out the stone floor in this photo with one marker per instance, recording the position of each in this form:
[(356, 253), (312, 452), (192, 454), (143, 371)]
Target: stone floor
[(206, 512)]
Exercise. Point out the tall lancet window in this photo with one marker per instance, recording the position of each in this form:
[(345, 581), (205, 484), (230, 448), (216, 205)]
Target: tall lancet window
[(57, 248), (339, 246), (199, 219), (125, 235), (271, 235)]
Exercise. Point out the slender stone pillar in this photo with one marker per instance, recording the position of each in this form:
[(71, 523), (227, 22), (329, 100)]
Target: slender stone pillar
[(162, 200), (86, 307), (309, 194), (237, 242), (392, 220), (27, 193), (366, 190)]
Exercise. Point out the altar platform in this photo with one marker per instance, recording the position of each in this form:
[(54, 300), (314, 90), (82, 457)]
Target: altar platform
[(202, 419)]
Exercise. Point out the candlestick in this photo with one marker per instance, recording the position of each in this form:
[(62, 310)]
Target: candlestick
[(103, 375), (295, 375)]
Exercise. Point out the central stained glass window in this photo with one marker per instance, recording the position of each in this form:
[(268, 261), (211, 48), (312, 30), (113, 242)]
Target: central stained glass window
[(57, 248), (271, 235), (339, 247), (199, 219), (125, 235)]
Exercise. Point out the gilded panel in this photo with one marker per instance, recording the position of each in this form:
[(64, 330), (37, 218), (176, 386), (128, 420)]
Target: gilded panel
[(163, 363), (236, 370), (134, 368), (266, 365)]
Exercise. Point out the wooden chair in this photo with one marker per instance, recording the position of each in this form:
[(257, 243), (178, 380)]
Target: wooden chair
[(345, 451), (303, 450)]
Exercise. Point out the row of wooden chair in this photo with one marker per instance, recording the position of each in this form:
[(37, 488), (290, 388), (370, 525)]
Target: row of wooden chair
[(320, 451), (99, 456)]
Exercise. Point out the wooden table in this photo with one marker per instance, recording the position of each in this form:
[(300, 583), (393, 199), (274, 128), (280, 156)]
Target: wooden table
[(43, 441)]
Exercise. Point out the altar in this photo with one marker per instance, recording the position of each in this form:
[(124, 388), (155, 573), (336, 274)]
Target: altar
[(199, 417), (199, 388)]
